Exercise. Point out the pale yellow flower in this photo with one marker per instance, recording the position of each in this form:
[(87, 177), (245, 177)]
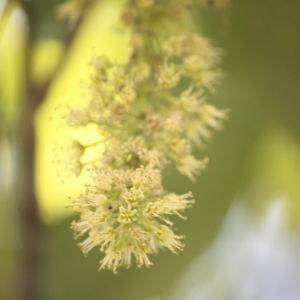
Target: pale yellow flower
[(150, 111)]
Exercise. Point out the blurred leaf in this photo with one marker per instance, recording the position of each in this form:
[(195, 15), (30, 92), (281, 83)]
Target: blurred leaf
[(277, 163), (46, 55), (67, 88), (13, 42)]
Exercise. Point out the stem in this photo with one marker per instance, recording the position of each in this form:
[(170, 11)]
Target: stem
[(30, 223), (31, 226)]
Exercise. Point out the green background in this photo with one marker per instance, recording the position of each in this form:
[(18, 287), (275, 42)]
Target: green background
[(261, 40)]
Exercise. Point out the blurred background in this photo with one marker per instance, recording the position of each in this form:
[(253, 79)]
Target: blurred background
[(243, 233)]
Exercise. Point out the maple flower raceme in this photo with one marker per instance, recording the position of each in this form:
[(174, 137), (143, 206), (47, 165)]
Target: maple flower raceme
[(151, 111)]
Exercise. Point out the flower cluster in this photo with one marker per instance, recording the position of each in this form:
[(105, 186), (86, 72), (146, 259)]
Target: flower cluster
[(122, 213), (148, 111)]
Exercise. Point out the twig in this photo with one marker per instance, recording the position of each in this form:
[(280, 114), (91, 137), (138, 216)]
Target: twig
[(31, 225)]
